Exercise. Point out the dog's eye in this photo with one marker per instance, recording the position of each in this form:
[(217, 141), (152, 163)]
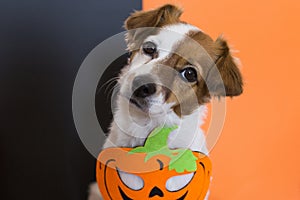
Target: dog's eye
[(149, 48), (189, 74)]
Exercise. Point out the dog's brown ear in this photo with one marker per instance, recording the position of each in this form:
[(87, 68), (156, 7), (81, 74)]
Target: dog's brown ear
[(137, 22), (159, 17), (227, 70)]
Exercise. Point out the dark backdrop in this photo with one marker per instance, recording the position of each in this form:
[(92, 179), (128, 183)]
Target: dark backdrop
[(42, 44)]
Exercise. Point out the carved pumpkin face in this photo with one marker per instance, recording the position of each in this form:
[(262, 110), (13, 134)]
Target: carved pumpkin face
[(127, 176)]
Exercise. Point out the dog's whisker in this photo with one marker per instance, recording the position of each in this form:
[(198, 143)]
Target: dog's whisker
[(111, 86), (107, 84), (111, 90), (109, 81)]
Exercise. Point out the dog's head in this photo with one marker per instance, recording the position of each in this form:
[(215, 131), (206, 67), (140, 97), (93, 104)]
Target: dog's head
[(174, 65)]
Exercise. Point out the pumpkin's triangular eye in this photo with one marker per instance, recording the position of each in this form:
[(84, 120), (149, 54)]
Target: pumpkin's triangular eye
[(132, 181), (176, 183)]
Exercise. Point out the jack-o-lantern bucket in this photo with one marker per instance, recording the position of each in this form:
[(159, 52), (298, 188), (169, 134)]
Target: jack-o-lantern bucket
[(122, 175)]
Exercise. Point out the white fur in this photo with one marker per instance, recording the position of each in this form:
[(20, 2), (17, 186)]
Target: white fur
[(169, 37), (132, 132)]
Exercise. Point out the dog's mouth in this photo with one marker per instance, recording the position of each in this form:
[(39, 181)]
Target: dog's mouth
[(149, 105), (141, 104)]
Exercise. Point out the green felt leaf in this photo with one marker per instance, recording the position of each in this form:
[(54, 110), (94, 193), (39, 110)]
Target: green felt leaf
[(184, 161), (138, 150), (157, 144), (164, 151), (158, 138)]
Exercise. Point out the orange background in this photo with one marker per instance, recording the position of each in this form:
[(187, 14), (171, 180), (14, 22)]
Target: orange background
[(257, 156)]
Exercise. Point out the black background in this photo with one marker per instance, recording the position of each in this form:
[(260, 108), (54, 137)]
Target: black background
[(42, 44)]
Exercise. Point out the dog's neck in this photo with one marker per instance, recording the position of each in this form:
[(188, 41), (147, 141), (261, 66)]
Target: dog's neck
[(130, 129)]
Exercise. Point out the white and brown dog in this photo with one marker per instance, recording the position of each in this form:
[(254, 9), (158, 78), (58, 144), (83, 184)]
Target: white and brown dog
[(174, 69)]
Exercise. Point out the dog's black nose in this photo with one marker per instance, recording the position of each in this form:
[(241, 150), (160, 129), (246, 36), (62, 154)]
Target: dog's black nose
[(145, 90), (143, 86)]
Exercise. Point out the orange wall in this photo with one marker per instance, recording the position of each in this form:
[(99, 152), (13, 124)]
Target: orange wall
[(257, 156)]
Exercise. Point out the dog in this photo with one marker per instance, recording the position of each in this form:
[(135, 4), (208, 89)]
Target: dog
[(174, 69)]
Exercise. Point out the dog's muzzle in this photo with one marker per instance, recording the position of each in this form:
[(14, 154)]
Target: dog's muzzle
[(143, 87)]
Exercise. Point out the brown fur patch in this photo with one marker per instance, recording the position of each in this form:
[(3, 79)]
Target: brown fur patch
[(228, 69), (215, 68), (195, 51), (137, 22), (167, 14)]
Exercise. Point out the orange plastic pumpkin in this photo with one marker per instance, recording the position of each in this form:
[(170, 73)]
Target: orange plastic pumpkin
[(121, 175)]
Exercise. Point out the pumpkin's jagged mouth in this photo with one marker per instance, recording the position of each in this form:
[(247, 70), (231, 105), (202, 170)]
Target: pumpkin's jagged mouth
[(125, 197)]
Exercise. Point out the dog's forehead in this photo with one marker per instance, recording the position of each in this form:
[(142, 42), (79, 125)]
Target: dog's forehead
[(170, 36)]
